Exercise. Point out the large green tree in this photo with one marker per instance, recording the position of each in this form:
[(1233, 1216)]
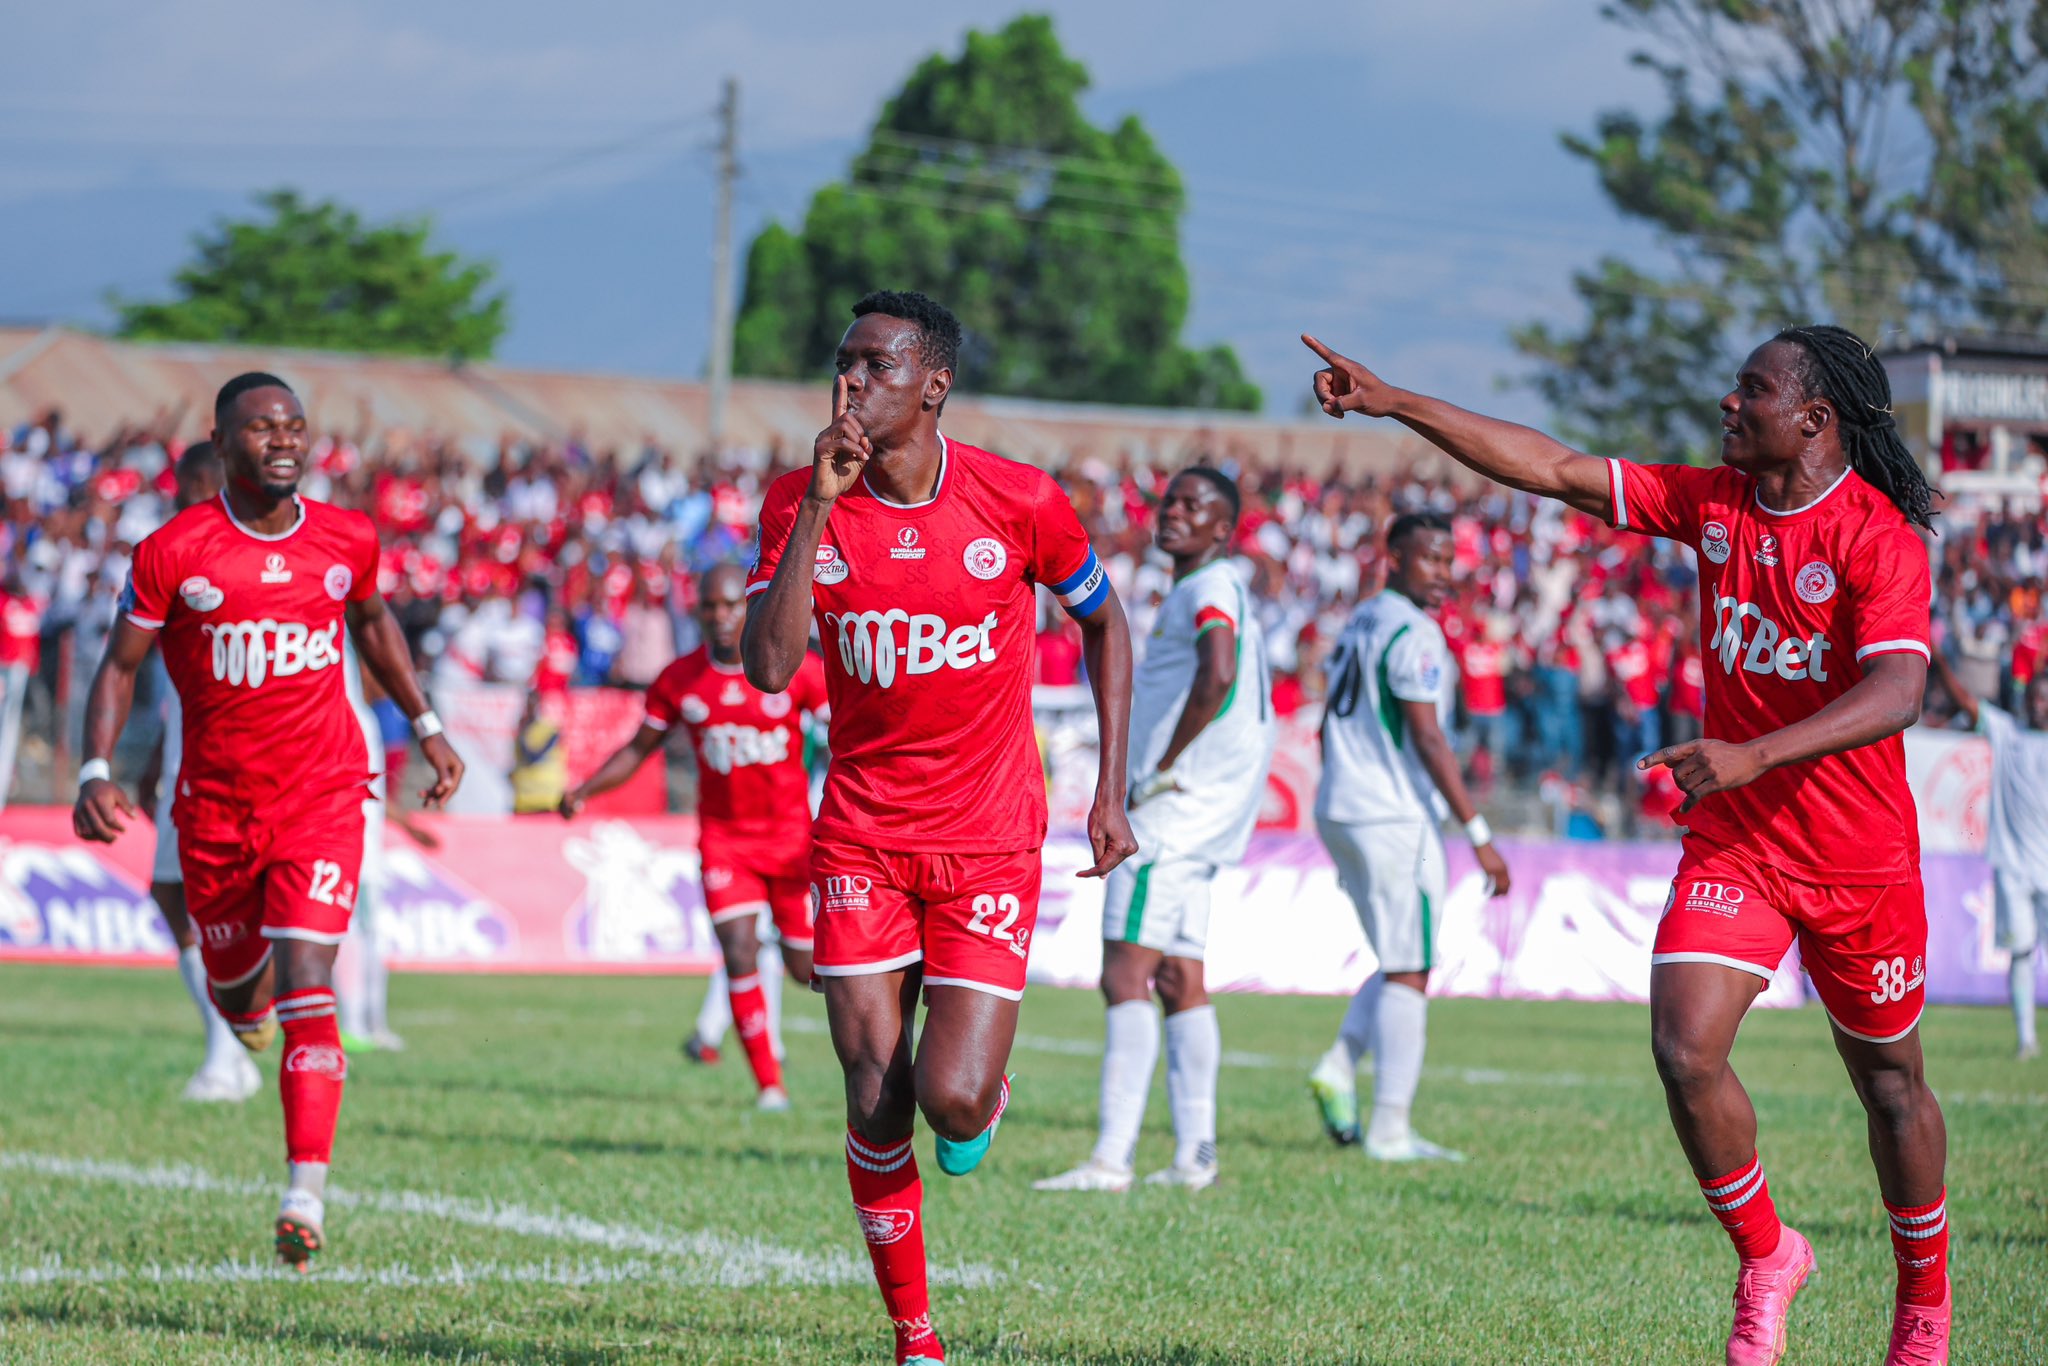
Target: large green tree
[(316, 275), (1882, 164), (984, 185)]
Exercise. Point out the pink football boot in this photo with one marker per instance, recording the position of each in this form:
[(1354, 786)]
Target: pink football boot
[(1764, 1291)]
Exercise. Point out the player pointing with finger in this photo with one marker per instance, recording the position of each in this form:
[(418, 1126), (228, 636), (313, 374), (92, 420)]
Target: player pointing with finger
[(919, 558), (1813, 606)]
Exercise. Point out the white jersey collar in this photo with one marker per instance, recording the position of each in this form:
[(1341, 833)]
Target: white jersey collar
[(284, 535)]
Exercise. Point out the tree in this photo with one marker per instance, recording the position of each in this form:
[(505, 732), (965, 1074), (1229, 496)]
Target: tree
[(315, 275), (1882, 164), (1055, 241)]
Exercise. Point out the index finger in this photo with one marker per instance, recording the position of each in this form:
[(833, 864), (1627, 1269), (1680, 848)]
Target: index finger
[(838, 397), (1668, 755), (1321, 350)]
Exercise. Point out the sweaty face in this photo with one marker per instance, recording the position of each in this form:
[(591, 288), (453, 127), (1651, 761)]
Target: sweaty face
[(888, 383), (1421, 567), (262, 441), (1766, 418), (722, 613), (1194, 516)]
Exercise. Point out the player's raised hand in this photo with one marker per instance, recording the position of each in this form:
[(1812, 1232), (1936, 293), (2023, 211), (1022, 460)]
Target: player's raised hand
[(841, 451), (1109, 835), (97, 813), (1344, 386), (1703, 767), (448, 771)]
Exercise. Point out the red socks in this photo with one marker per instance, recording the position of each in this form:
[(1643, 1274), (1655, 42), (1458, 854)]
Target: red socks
[(1741, 1200), (309, 1082), (1920, 1243), (750, 1022), (888, 1196)]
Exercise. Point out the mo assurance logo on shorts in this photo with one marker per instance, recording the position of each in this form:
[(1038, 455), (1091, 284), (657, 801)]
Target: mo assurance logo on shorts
[(871, 643), (252, 651)]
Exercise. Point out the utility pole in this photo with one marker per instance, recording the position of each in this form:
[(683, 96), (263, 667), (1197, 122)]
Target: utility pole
[(721, 263)]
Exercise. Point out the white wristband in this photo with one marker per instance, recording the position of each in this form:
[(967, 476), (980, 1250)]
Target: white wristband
[(426, 725), (1478, 831), (95, 770)]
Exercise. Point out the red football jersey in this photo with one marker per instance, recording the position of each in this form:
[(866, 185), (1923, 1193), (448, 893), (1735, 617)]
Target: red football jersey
[(251, 632), (927, 615), (749, 744), (1791, 605)]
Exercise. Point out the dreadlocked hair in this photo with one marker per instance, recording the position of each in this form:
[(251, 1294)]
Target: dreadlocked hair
[(1842, 368)]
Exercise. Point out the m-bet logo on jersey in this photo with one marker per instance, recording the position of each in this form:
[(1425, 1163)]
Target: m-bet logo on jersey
[(274, 570), (906, 547)]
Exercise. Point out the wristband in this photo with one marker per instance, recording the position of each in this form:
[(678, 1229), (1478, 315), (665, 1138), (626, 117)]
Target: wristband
[(95, 770), (426, 725), (1478, 831)]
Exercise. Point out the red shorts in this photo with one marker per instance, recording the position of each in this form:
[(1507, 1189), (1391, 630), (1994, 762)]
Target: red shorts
[(1864, 947), (744, 872), (292, 880), (967, 917)]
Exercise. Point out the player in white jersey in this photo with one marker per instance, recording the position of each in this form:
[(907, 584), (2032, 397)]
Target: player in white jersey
[(227, 1074), (2016, 843), (1389, 779), (1202, 732)]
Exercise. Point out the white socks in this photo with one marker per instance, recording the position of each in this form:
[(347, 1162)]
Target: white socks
[(2020, 977), (310, 1177), (1130, 1048), (1194, 1054), (1403, 1030), (221, 1048), (1355, 1035), (769, 960)]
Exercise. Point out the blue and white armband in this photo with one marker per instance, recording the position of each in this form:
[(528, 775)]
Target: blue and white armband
[(1083, 591)]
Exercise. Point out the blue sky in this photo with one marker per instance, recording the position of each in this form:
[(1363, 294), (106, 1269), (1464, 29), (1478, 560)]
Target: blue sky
[(1386, 175)]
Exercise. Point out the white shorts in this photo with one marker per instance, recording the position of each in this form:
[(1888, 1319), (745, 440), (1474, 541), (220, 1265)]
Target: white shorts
[(1161, 905), (2021, 902), (1394, 873)]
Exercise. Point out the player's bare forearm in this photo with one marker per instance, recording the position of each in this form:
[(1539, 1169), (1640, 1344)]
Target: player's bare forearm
[(113, 687), (1215, 676), (623, 764), (1508, 453), (1884, 703), (1106, 647), (778, 629), (1439, 760), (380, 640)]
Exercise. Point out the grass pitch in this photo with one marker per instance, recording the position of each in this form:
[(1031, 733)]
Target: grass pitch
[(542, 1178)]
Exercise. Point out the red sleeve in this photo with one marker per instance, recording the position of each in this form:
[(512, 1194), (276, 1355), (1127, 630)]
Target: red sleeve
[(778, 519), (664, 698), (1888, 602), (1657, 500), (364, 586), (152, 580), (1061, 557)]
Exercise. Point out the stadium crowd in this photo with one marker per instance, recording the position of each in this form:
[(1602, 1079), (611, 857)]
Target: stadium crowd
[(555, 565)]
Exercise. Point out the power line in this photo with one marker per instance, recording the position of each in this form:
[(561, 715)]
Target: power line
[(575, 160)]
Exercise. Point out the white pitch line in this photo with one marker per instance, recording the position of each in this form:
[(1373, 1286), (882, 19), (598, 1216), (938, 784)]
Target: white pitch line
[(571, 1274), (726, 1261)]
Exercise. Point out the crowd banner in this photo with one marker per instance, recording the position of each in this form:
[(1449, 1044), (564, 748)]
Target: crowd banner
[(610, 895), (1950, 774)]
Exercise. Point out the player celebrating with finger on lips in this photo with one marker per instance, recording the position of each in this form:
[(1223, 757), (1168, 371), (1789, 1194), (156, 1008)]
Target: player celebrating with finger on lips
[(1814, 593), (248, 594), (919, 559)]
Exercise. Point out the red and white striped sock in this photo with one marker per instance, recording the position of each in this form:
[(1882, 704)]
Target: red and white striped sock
[(888, 1197), (750, 1022), (1741, 1200), (310, 1078), (1920, 1245)]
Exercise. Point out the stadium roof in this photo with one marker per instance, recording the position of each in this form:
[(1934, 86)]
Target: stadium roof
[(100, 384)]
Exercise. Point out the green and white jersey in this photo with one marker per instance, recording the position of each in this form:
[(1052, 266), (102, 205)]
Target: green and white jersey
[(1223, 772), (1390, 652)]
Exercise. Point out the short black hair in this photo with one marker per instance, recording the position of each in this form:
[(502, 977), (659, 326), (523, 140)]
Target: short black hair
[(1222, 483), (938, 330), (201, 457), (1408, 523), (242, 384)]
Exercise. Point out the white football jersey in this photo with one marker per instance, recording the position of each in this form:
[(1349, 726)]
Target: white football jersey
[(1390, 652), (1222, 773), (2017, 840)]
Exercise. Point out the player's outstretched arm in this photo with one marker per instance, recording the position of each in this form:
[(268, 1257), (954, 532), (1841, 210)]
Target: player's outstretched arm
[(1440, 761), (623, 764), (1965, 700), (1106, 646), (1505, 452), (778, 629), (101, 804), (1885, 702), (381, 643)]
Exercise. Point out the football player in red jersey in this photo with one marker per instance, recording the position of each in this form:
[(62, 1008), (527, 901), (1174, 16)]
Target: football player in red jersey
[(247, 595), (920, 559), (753, 807), (1813, 601)]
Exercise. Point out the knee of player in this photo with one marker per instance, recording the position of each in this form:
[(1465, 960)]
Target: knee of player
[(1894, 1092), (956, 1108), (1683, 1061), (1180, 984)]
